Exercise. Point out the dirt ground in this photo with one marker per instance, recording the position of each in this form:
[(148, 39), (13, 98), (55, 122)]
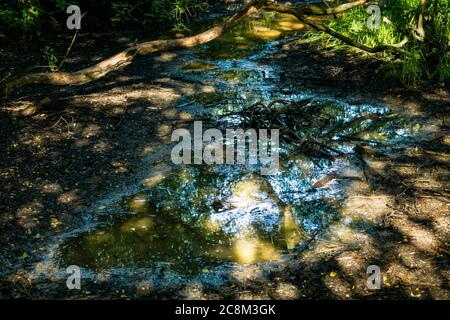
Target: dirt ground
[(94, 138)]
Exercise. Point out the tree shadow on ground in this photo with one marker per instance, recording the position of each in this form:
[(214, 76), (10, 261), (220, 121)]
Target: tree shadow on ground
[(94, 138)]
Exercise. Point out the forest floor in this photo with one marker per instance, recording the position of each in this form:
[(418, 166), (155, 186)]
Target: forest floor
[(94, 138)]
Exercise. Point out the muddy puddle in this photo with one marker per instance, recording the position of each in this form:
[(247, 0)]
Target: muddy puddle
[(196, 220)]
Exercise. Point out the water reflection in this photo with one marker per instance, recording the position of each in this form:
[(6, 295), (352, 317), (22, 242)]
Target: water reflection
[(197, 218), (291, 231), (200, 217)]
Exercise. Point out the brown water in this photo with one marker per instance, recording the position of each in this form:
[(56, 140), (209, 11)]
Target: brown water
[(198, 218)]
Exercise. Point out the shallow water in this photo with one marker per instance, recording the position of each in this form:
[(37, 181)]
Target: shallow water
[(199, 218)]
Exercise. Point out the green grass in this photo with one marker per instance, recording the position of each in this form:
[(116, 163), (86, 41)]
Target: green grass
[(420, 61)]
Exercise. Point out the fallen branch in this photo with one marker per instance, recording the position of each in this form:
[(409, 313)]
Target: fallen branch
[(124, 58), (315, 10), (420, 30)]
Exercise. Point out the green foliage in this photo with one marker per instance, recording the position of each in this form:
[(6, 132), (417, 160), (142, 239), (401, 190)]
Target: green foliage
[(50, 57), (421, 60), (19, 15), (158, 11), (63, 4), (32, 15), (184, 9), (121, 9), (410, 70)]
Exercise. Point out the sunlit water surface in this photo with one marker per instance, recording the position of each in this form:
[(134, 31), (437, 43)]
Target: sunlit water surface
[(198, 218)]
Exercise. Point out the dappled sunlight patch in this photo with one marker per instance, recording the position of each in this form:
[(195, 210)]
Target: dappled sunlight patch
[(185, 115), (207, 89), (118, 110), (243, 46), (270, 27), (148, 149), (435, 209), (398, 274), (55, 223), (119, 166), (286, 291), (168, 91), (446, 140), (140, 225), (406, 169), (91, 130), (353, 264), (82, 142), (212, 225), (291, 25), (122, 78), (411, 257), (245, 193), (291, 231), (68, 197), (138, 204), (245, 251), (166, 57), (193, 291), (372, 208), (356, 187), (440, 156), (36, 140), (249, 295), (251, 250), (175, 114), (266, 33), (442, 223), (164, 131), (215, 223), (44, 268), (249, 191), (420, 236), (168, 95), (428, 182), (98, 238), (343, 233), (199, 66), (155, 179), (338, 286), (246, 273), (170, 113), (102, 146), (51, 187), (121, 96), (144, 287), (28, 216)]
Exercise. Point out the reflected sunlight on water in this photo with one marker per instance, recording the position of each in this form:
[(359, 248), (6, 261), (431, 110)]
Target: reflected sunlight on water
[(198, 218)]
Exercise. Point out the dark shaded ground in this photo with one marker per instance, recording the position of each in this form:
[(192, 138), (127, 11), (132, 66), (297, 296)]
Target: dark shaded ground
[(87, 140), (93, 138)]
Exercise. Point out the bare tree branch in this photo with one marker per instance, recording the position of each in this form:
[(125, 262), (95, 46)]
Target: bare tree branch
[(316, 10), (125, 57), (420, 30), (298, 13)]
